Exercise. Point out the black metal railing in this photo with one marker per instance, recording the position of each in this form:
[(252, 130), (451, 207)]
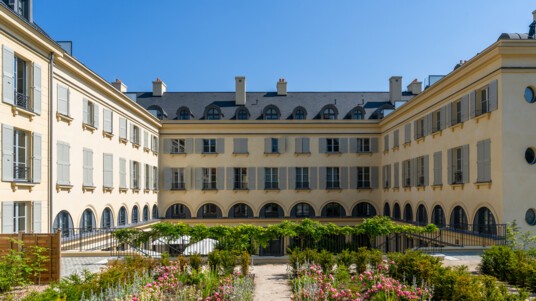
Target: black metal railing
[(21, 173), (209, 185), (240, 185), (457, 177), (177, 186), (23, 101), (302, 185)]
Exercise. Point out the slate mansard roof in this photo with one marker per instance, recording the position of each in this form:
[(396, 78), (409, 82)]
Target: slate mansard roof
[(312, 102)]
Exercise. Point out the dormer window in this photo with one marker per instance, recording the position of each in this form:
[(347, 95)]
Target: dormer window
[(329, 113), (357, 114), (271, 113), (213, 114), (157, 112), (299, 114), (183, 114), (242, 114)]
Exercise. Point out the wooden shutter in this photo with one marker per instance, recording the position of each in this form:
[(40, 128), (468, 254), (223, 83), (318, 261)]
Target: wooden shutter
[(267, 145), (7, 217), (282, 145), (122, 173), (168, 178), (465, 163), (298, 147), (353, 145), (260, 178), (220, 178), (426, 169), (448, 116), (90, 167), (85, 106), (96, 110), (189, 145), (66, 163), (108, 170), (322, 176), (107, 121), (487, 160), (437, 168), (198, 146), (168, 146), (251, 178), (407, 133), (374, 145), (493, 95), (389, 176), (353, 177), (292, 178), (36, 89), (344, 177), (442, 117), (36, 217), (145, 139), (8, 76), (322, 145), (472, 104), (36, 158), (305, 145), (429, 122), (479, 161), (282, 178), (343, 145), (220, 146), (465, 108), (132, 134), (413, 172), (122, 128), (396, 183), (131, 166), (313, 177), (229, 178), (237, 146), (396, 138), (63, 100), (374, 175), (415, 130), (449, 166), (386, 143), (188, 177)]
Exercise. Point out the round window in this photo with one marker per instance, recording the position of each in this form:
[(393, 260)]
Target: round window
[(530, 217), (529, 95), (530, 156)]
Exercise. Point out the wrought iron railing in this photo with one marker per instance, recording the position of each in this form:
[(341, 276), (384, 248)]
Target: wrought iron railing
[(23, 101), (457, 177), (177, 186), (21, 173)]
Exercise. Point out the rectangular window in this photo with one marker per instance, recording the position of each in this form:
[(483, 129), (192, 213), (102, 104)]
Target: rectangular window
[(148, 174), (302, 178), (363, 177), (89, 113), (20, 217), (482, 104), (302, 146), (456, 112), (457, 166), (420, 171), (21, 73), (396, 138), (386, 143), (407, 173), (177, 181), (21, 156), (436, 121), (209, 146), (275, 145), (363, 145), (271, 178), (332, 178), (240, 178), (135, 175), (419, 129), (155, 178), (178, 146), (209, 178), (88, 167), (333, 145), (136, 135)]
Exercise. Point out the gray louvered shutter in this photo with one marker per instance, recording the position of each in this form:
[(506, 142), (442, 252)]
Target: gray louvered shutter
[(85, 105), (374, 175), (108, 170), (36, 217), (282, 145), (267, 145), (479, 161), (145, 139), (415, 130), (448, 115), (298, 145), (386, 143), (313, 177), (7, 153), (168, 146), (237, 146), (96, 110), (343, 144), (36, 89), (428, 122), (230, 175), (493, 95), (305, 145), (396, 177), (437, 168), (442, 117), (472, 104), (188, 177), (374, 145), (487, 160), (260, 178), (67, 163), (353, 145), (131, 170), (36, 158), (122, 173), (292, 178), (426, 170), (189, 145), (322, 145), (353, 177), (322, 177), (198, 178), (449, 166), (168, 178), (251, 178), (131, 129), (465, 163), (413, 171), (198, 146), (107, 120), (220, 178), (389, 176), (7, 217), (8, 75), (407, 133), (282, 178), (122, 128), (465, 107), (396, 138), (344, 177), (220, 146)]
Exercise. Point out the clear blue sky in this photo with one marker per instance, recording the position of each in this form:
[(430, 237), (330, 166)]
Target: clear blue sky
[(352, 45)]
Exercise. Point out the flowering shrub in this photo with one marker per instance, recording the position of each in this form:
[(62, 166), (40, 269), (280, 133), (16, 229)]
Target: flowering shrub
[(312, 284)]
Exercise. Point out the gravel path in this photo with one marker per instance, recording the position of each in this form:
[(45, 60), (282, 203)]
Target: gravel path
[(271, 282)]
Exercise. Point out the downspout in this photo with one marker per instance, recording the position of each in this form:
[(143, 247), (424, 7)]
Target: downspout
[(50, 142)]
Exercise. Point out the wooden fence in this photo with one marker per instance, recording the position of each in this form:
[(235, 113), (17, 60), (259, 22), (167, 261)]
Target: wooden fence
[(49, 241)]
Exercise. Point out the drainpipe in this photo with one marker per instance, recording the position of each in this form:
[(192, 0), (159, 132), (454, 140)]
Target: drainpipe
[(50, 142)]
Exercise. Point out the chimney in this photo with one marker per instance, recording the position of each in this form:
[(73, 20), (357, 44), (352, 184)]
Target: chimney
[(281, 87), (415, 87), (395, 88), (159, 88), (240, 92), (119, 86)]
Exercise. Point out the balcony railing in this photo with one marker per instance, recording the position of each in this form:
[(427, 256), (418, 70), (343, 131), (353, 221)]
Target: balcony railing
[(177, 186), (21, 173), (333, 185), (420, 181), (302, 185), (457, 177), (209, 185), (23, 101), (240, 185)]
